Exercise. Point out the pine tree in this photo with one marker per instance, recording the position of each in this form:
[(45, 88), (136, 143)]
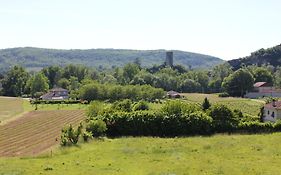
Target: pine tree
[(206, 104)]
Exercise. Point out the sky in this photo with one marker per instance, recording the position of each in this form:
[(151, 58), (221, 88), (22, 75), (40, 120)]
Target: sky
[(227, 29)]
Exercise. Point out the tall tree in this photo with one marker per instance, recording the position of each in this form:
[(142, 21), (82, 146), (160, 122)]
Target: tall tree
[(14, 82), (53, 73), (38, 83), (129, 71), (263, 75), (238, 83)]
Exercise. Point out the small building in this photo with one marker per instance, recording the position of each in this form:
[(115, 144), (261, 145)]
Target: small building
[(56, 94), (173, 94), (263, 89), (272, 111)]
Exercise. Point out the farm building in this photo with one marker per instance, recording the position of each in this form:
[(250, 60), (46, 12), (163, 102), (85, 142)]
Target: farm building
[(272, 111), (173, 94), (263, 89), (56, 94)]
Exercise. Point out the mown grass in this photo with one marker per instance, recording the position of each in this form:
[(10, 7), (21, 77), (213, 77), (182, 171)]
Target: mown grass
[(30, 107), (220, 154), (10, 107), (248, 106)]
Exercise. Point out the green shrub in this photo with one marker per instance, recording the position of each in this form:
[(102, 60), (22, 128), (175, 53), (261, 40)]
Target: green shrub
[(95, 108), (145, 123), (178, 107), (141, 105), (96, 127), (86, 136), (224, 94), (255, 127), (70, 136), (223, 118), (124, 105), (206, 104)]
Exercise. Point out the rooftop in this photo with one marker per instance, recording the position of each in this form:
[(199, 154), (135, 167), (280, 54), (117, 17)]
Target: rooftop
[(259, 84)]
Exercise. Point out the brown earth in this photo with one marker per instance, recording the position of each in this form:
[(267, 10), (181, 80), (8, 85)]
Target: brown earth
[(35, 132)]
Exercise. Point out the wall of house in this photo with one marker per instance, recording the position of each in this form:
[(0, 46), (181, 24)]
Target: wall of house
[(268, 114), (258, 94), (266, 89)]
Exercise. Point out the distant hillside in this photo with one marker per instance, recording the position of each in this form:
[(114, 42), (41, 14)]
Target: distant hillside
[(263, 56), (36, 58)]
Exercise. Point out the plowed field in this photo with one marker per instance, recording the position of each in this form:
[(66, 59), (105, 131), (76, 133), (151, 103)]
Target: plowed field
[(35, 132)]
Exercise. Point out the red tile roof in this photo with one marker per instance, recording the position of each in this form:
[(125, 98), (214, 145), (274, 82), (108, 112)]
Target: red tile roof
[(259, 84)]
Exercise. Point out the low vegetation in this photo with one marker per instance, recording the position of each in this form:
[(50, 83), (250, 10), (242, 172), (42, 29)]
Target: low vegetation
[(219, 154), (247, 106), (10, 107)]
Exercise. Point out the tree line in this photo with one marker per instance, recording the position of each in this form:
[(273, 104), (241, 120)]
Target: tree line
[(18, 82)]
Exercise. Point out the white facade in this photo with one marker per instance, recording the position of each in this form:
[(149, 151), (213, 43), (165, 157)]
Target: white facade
[(271, 114)]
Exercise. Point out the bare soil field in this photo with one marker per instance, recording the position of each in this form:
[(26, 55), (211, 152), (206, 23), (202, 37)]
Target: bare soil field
[(35, 131)]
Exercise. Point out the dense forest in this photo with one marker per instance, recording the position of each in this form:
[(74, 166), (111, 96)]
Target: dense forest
[(38, 58), (270, 56)]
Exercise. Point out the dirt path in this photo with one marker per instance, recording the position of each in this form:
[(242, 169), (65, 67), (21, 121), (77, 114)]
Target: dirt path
[(35, 131)]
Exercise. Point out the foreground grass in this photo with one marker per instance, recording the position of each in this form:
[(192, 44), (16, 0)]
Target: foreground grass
[(220, 154), (248, 106)]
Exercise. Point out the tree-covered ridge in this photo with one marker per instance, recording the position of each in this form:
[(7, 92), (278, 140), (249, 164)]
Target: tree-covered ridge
[(270, 56), (36, 58)]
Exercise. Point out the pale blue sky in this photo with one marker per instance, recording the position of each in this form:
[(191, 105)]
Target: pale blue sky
[(224, 28)]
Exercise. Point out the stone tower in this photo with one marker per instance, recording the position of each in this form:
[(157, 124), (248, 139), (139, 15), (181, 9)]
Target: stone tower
[(169, 59)]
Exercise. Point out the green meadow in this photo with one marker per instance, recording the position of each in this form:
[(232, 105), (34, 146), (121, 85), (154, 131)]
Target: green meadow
[(219, 154), (247, 106)]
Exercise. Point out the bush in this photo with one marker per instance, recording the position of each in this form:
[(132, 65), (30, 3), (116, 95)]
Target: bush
[(96, 127), (124, 105), (70, 136), (255, 127), (206, 104), (86, 136), (224, 94), (96, 91), (177, 107), (140, 106), (144, 123), (223, 118), (95, 108)]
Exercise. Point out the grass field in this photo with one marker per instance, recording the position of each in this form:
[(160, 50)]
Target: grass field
[(10, 107), (248, 106), (220, 154), (35, 131)]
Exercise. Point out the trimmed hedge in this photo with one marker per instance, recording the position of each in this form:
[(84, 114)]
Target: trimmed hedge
[(142, 123), (180, 119), (56, 102)]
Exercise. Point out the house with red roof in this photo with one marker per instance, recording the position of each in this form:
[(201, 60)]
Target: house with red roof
[(263, 89), (272, 111)]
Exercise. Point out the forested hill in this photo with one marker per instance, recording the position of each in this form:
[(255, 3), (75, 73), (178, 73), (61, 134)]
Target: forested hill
[(263, 56), (36, 58)]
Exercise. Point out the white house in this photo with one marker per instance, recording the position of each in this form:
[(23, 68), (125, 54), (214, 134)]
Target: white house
[(272, 111)]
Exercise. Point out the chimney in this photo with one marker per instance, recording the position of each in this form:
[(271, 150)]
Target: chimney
[(273, 103)]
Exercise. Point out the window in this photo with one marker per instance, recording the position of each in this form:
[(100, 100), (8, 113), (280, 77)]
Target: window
[(268, 112), (272, 115)]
